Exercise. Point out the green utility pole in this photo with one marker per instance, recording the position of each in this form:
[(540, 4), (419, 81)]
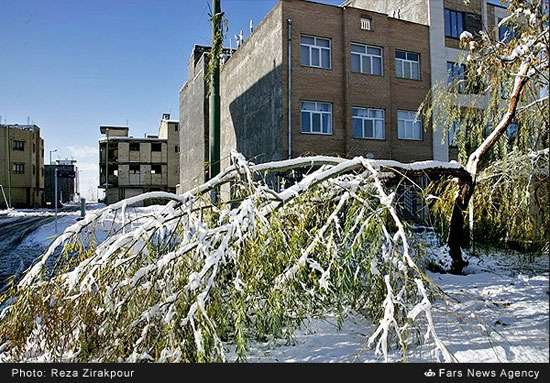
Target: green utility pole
[(215, 120)]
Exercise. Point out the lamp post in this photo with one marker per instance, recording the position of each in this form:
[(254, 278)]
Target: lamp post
[(52, 151), (107, 168)]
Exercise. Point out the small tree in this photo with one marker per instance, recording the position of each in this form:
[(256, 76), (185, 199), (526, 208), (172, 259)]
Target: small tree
[(506, 108)]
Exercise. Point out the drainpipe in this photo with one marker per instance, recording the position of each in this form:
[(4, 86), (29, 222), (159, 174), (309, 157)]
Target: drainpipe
[(289, 25)]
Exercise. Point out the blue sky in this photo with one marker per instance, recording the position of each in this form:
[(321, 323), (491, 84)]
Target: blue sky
[(73, 65)]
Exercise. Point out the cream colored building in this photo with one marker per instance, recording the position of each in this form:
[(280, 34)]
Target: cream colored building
[(21, 166), (139, 165)]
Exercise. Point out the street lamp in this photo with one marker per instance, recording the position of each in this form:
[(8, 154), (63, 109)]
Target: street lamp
[(51, 181)]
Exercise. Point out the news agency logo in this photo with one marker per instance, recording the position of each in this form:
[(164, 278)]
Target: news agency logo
[(429, 373)]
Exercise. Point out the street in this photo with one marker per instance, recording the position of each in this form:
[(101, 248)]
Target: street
[(16, 254)]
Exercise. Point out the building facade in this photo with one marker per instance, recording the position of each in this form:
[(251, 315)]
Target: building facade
[(139, 165), (447, 19), (21, 166), (348, 84), (67, 182)]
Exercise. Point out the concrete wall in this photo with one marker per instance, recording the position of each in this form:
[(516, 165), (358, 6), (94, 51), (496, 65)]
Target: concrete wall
[(193, 127), (251, 94)]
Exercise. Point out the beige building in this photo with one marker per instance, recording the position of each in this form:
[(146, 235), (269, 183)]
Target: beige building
[(139, 165), (21, 166), (347, 84)]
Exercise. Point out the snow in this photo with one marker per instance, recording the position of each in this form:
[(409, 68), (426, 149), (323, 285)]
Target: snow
[(501, 316)]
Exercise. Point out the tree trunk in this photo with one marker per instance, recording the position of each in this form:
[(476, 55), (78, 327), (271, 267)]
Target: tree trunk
[(466, 186), (456, 228)]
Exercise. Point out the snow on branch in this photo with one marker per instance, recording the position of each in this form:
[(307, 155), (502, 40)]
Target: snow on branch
[(184, 281)]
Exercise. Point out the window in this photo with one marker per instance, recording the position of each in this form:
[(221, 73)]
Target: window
[(505, 33), (18, 145), (366, 59), (365, 24), (134, 168), (177, 148), (156, 147), (408, 127), (134, 146), (456, 75), (454, 23), (18, 168), (176, 127), (407, 65), (315, 52), (156, 169), (316, 117), (33, 170), (368, 123), (452, 134)]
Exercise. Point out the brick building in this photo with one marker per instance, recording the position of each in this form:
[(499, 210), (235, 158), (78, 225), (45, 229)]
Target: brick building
[(21, 165), (139, 165), (352, 81), (446, 19)]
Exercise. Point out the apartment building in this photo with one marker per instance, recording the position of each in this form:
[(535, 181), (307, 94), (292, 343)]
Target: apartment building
[(21, 166), (447, 19), (347, 84), (139, 165)]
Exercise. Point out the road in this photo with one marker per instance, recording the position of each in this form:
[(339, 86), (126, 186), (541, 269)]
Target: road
[(15, 255)]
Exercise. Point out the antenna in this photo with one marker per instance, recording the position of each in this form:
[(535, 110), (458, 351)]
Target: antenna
[(28, 120), (251, 26), (241, 37)]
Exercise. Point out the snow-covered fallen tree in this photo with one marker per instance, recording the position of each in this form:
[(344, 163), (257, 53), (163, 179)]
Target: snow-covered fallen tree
[(183, 282)]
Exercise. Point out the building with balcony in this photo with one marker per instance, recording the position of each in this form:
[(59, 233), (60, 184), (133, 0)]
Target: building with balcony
[(138, 165)]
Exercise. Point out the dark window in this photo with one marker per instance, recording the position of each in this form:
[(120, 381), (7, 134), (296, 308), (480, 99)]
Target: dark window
[(18, 145), (505, 33), (456, 75), (156, 147), (454, 23), (134, 146), (156, 169), (176, 127), (19, 168), (134, 168), (177, 149)]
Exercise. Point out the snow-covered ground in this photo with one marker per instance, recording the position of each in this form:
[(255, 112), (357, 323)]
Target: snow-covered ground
[(499, 314)]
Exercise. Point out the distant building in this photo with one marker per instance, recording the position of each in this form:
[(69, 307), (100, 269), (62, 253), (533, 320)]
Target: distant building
[(21, 165), (67, 182), (354, 83), (139, 165)]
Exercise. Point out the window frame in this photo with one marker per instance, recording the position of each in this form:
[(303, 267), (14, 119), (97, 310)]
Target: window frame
[(133, 145), (18, 145), (370, 56), (402, 64), (316, 112), (320, 48), (18, 168), (452, 21), (460, 73), (414, 121), (156, 145), (373, 119)]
